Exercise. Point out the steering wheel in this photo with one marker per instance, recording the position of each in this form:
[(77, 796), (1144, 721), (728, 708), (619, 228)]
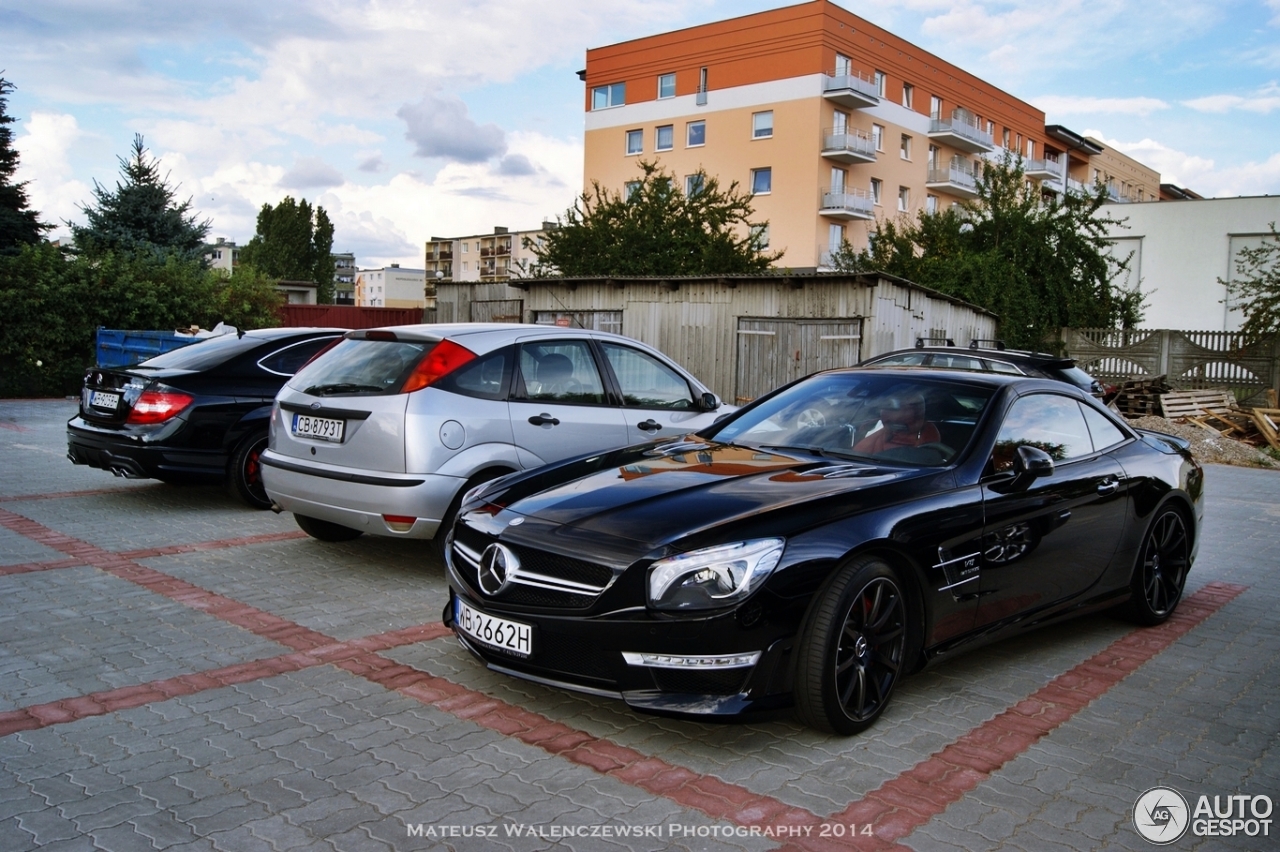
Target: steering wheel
[(811, 418)]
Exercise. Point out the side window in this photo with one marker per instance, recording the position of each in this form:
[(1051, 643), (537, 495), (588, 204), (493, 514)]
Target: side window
[(1047, 422), (484, 378), (906, 359), (287, 361), (1004, 367), (956, 362), (1103, 431), (560, 371), (647, 382)]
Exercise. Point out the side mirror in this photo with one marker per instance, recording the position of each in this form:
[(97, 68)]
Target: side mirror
[(1030, 463), (709, 402)]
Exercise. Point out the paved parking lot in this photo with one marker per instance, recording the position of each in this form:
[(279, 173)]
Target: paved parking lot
[(178, 671)]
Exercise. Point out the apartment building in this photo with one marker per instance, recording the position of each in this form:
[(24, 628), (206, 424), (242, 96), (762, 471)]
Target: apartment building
[(344, 278), (392, 287), (832, 122), (492, 257)]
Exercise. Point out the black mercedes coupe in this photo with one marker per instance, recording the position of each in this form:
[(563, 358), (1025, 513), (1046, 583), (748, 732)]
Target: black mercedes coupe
[(818, 545), (197, 414)]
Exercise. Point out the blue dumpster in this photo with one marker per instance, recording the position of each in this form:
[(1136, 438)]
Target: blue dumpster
[(118, 348)]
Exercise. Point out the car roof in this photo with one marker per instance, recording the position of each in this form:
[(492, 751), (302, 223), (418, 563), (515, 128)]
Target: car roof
[(499, 333), (959, 377), (277, 333), (1042, 358)]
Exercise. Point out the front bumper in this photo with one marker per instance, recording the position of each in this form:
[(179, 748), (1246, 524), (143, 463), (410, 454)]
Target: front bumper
[(600, 655), (357, 498), (140, 454)]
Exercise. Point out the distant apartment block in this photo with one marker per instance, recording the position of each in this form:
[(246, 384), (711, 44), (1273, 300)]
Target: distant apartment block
[(222, 254), (832, 122), (392, 287), (494, 257), (344, 279)]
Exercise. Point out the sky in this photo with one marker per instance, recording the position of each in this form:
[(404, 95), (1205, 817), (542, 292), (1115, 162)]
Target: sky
[(409, 119)]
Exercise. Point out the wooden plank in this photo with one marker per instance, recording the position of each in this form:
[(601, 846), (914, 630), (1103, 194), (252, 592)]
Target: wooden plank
[(1268, 429), (1184, 403)]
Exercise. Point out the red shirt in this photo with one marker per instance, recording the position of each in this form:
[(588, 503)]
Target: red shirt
[(885, 438)]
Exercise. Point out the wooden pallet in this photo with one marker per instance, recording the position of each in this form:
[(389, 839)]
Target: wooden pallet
[(1194, 403)]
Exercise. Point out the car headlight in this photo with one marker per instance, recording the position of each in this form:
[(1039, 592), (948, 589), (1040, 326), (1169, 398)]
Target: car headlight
[(713, 576)]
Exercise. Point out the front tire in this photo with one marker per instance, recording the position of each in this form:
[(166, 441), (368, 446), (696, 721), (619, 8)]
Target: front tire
[(326, 530), (852, 648), (244, 474), (439, 543), (1161, 571)]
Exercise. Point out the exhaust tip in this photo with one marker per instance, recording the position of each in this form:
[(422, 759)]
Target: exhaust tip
[(276, 507)]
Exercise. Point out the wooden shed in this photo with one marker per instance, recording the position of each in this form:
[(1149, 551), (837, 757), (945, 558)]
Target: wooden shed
[(742, 335)]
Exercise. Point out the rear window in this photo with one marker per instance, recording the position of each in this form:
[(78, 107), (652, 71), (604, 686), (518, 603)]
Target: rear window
[(204, 354), (361, 368)]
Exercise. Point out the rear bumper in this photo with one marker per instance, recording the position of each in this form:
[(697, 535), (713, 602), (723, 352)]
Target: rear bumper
[(131, 455), (357, 498)]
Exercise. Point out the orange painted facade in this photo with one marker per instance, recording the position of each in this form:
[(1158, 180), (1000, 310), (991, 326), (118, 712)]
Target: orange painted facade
[(935, 123)]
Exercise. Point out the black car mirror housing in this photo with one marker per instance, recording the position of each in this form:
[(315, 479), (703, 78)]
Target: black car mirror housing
[(709, 402)]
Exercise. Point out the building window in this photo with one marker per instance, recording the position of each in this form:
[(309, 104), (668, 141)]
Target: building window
[(908, 95), (603, 97), (695, 134), (667, 86), (693, 184), (838, 179), (761, 181), (880, 83), (904, 199), (933, 157), (991, 127), (635, 142), (905, 149), (931, 204), (629, 190), (1004, 139), (1031, 149), (1019, 148), (876, 187), (464, 248), (877, 136), (760, 233), (664, 138), (835, 237), (464, 266), (844, 65), (762, 125), (935, 107)]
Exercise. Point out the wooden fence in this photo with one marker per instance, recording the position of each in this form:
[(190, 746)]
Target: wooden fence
[(1188, 359), (346, 316)]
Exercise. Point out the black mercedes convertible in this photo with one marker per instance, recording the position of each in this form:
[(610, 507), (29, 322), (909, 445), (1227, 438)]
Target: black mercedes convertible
[(818, 545)]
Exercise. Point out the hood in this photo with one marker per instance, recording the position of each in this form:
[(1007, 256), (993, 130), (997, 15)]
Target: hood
[(656, 493)]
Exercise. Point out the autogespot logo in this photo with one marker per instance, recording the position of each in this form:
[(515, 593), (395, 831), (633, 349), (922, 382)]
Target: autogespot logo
[(1161, 815)]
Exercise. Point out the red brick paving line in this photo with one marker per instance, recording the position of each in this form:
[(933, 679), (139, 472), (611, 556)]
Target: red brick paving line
[(128, 697), (60, 495), (897, 808), (146, 553)]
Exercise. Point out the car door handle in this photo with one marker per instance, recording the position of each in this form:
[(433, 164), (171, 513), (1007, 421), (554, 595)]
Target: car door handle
[(544, 420), (1108, 486), (649, 425)]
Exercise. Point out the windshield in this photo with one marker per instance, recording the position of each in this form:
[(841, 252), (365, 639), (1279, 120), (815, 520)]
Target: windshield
[(870, 416), (203, 354), (361, 367)]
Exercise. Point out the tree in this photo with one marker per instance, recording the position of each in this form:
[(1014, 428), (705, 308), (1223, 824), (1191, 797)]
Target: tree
[(141, 215), (651, 228), (294, 242), (1257, 287), (1040, 264), (19, 225)]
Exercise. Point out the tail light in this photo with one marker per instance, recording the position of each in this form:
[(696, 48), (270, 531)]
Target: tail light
[(399, 523), (442, 360), (158, 406)]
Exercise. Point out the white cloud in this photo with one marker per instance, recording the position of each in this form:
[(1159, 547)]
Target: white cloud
[(1198, 173), (311, 173), (43, 161), (1068, 105), (1263, 101)]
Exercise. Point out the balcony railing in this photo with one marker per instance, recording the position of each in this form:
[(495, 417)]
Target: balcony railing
[(1076, 187), (1047, 168), (848, 146), (959, 131), (701, 97), (502, 248), (844, 203), (851, 89), (954, 181)]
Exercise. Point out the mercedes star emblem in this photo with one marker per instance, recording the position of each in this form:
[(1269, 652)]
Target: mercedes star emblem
[(497, 566)]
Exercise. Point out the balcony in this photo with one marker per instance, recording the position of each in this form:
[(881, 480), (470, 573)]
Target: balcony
[(847, 204), (961, 132), (502, 248), (848, 146), (700, 98), (1047, 169), (953, 181), (851, 90), (1077, 187)]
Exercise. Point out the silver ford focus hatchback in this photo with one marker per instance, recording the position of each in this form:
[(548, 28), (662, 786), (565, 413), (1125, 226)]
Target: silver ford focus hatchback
[(385, 431)]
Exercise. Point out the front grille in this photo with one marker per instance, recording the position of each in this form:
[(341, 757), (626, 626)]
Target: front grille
[(724, 682), (543, 579), (563, 567)]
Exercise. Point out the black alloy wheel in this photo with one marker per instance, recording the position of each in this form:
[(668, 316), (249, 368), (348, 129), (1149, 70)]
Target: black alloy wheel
[(1161, 572), (245, 472), (852, 648)]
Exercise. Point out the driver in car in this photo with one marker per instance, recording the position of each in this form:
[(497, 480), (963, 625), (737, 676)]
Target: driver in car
[(902, 424)]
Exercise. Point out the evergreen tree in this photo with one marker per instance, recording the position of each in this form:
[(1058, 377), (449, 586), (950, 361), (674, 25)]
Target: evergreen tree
[(1040, 263), (19, 225), (294, 242), (140, 215), (652, 228)]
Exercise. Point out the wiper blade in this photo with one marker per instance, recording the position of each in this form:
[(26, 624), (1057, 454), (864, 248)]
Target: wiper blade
[(341, 387)]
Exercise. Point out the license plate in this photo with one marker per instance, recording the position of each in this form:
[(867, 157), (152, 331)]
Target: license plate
[(497, 633), (102, 399), (319, 428)]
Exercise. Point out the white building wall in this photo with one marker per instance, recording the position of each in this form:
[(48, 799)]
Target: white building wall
[(1181, 249)]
